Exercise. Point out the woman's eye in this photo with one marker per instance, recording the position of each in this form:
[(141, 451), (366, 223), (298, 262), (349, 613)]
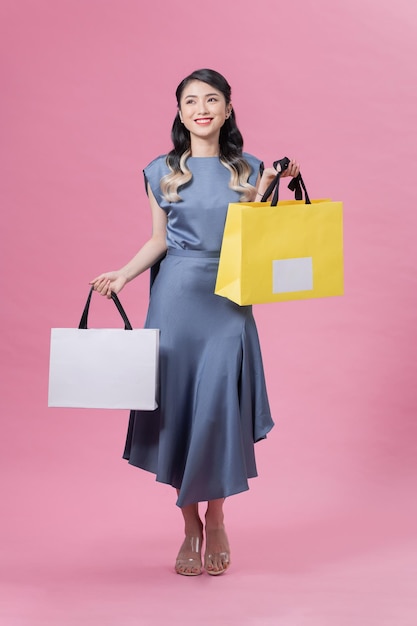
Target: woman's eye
[(189, 102), (212, 99)]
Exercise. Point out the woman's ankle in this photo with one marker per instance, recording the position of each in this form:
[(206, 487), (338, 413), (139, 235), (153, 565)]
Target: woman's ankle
[(193, 528), (214, 515)]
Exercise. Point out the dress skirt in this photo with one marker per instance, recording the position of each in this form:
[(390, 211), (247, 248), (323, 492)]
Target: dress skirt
[(213, 404)]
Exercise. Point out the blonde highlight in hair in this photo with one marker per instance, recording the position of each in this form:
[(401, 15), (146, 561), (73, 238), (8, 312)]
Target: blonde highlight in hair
[(176, 178), (239, 174)]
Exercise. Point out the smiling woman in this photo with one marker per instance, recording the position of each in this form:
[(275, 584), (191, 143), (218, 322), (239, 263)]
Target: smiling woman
[(213, 404)]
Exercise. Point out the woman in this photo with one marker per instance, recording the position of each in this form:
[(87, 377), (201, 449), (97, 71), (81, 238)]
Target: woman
[(213, 402)]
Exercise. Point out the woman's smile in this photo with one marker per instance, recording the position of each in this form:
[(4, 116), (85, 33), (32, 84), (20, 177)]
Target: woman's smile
[(203, 121)]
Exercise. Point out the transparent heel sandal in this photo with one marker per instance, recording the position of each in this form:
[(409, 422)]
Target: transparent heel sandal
[(188, 561), (216, 562)]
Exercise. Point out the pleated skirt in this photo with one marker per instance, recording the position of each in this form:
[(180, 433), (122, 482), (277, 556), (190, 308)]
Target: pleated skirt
[(213, 404)]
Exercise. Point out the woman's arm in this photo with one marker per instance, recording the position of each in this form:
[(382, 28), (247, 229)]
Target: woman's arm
[(150, 252)]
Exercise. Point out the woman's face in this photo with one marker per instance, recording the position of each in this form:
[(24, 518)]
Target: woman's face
[(203, 109)]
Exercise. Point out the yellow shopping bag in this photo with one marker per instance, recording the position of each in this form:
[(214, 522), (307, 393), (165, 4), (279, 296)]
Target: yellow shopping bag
[(291, 251)]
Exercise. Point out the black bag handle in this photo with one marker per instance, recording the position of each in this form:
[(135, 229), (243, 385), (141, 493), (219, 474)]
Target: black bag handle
[(84, 316), (296, 184)]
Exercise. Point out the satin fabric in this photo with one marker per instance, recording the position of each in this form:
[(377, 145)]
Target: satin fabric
[(213, 404)]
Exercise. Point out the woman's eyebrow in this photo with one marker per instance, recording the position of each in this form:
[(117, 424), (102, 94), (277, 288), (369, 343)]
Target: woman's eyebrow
[(206, 95)]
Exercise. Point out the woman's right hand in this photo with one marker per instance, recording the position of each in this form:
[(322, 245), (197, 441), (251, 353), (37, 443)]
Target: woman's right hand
[(108, 282)]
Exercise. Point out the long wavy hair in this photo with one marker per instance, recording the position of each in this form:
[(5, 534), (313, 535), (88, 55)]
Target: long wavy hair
[(230, 144)]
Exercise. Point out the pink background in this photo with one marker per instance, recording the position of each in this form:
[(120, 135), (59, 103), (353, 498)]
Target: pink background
[(327, 534)]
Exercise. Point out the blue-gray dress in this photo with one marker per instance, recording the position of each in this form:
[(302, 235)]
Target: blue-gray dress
[(213, 403)]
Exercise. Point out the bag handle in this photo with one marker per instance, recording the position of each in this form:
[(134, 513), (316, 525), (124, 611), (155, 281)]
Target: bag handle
[(84, 316), (296, 184)]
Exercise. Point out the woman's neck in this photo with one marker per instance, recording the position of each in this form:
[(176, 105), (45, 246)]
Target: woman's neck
[(204, 147)]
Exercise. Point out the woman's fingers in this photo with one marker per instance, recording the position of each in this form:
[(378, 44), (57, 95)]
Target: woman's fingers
[(96, 281), (105, 284), (101, 285), (293, 169)]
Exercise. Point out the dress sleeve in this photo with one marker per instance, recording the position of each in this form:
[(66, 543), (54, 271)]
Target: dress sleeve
[(153, 174), (256, 165)]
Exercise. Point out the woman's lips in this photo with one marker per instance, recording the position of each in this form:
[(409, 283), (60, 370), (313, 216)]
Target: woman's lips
[(202, 121)]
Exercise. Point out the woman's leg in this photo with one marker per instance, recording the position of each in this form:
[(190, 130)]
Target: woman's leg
[(217, 553), (188, 561)]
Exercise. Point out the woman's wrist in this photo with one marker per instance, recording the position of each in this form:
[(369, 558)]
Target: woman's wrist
[(124, 273)]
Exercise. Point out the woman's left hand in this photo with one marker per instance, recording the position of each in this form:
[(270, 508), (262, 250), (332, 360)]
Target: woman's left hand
[(269, 174), (292, 170)]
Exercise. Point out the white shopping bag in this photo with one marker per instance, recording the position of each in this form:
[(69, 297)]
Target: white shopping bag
[(104, 368)]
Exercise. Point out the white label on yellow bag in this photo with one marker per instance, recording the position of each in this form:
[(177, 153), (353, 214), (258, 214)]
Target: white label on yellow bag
[(292, 275)]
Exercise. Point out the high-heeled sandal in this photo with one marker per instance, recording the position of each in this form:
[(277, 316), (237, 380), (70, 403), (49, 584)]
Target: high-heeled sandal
[(217, 557), (189, 565), (222, 557)]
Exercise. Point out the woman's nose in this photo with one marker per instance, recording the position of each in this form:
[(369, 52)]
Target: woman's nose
[(202, 107)]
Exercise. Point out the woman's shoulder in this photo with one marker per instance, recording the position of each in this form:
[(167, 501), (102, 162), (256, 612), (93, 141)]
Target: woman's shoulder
[(251, 158), (156, 164), (255, 163), (153, 172)]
